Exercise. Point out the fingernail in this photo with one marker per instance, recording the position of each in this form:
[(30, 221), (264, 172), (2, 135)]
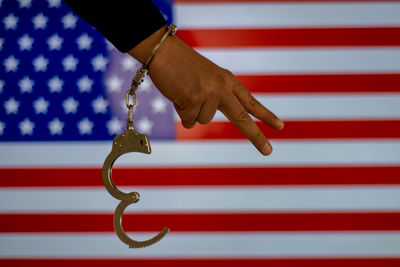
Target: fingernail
[(267, 149)]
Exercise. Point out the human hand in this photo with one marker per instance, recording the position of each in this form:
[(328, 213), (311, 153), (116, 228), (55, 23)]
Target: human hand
[(198, 88)]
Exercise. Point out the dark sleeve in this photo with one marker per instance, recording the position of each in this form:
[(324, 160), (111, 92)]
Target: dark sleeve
[(125, 23)]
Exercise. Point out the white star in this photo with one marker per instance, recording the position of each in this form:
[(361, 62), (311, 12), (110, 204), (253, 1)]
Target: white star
[(40, 63), (128, 63), (40, 21), (84, 84), (99, 63), (2, 127), (55, 84), (145, 125), (41, 105), (54, 3), (114, 84), (54, 42), (100, 105), (145, 86), (124, 108), (1, 86), (114, 126), (69, 21), (159, 105), (11, 106), (11, 64), (26, 127), (25, 3), (26, 85), (25, 42), (70, 63), (1, 43), (10, 22), (55, 127), (70, 105), (84, 42), (85, 126)]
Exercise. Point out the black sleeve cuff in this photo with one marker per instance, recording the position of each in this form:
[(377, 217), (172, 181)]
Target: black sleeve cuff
[(124, 23)]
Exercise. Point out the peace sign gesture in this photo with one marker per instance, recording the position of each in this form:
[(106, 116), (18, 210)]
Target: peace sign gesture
[(198, 88)]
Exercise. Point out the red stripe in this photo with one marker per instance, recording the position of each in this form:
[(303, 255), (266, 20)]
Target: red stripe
[(296, 130), (192, 222), (168, 262), (339, 83), (222, 38), (239, 176)]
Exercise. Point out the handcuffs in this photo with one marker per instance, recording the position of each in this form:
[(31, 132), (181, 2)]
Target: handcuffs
[(131, 141)]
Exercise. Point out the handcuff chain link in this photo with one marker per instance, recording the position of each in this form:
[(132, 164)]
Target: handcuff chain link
[(140, 74), (131, 93), (130, 141)]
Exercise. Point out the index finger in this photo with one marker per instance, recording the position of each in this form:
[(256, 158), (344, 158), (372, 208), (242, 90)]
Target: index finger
[(256, 108), (237, 114)]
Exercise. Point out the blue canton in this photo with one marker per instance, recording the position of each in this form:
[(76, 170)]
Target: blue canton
[(61, 80)]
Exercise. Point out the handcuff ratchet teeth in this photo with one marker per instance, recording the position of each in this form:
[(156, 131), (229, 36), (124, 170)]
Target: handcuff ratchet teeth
[(129, 141)]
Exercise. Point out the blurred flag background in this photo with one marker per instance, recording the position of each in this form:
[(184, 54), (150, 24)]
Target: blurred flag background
[(329, 194)]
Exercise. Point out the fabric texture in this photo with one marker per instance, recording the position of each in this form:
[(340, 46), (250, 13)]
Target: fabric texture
[(124, 23)]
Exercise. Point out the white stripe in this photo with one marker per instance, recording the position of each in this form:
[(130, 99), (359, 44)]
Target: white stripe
[(207, 245), (290, 15), (212, 153), (328, 106), (299, 61), (181, 199)]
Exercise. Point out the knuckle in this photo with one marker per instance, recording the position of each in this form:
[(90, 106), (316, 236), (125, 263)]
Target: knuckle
[(252, 100), (179, 104), (227, 80), (255, 139), (243, 116), (228, 74), (193, 99), (186, 102), (211, 92)]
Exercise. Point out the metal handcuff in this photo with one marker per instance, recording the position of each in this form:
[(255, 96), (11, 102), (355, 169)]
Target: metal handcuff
[(131, 141)]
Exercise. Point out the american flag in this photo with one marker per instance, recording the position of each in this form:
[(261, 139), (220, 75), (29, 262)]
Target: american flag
[(329, 195)]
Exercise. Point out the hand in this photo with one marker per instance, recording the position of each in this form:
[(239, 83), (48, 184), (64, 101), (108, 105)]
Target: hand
[(198, 88)]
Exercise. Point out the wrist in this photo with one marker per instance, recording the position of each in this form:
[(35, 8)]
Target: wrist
[(144, 49)]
